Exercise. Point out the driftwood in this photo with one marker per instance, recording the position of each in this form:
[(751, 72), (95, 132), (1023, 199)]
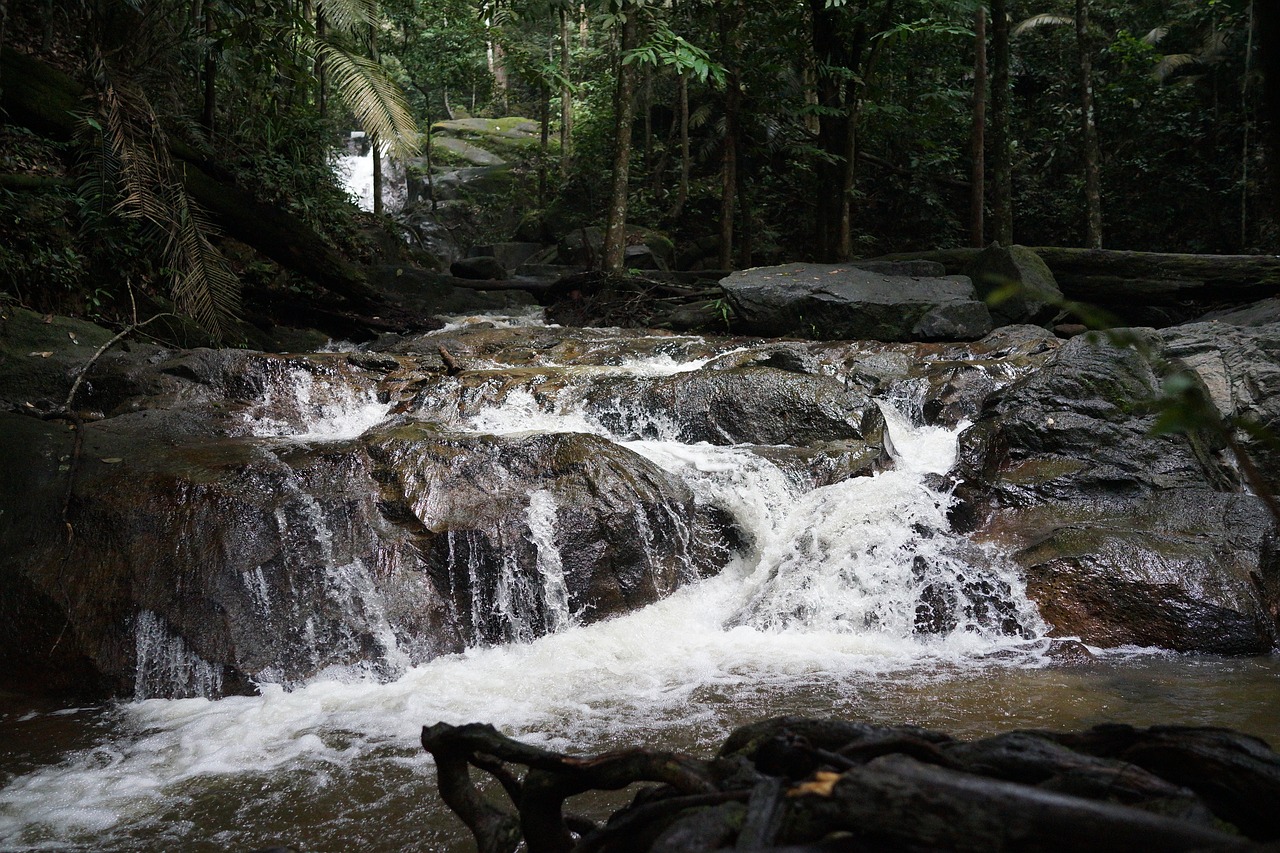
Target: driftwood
[(793, 784), (1104, 276), (47, 100)]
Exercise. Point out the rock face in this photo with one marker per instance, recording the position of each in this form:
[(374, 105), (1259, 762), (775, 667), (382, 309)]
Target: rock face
[(1126, 537), (845, 302)]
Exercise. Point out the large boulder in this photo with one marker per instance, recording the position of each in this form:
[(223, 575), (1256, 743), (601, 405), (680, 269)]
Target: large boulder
[(1240, 369), (534, 532), (1018, 286), (191, 547), (646, 248), (1126, 537), (751, 405), (834, 302)]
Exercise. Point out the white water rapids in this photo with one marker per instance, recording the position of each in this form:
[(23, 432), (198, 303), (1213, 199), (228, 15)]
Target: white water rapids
[(821, 604)]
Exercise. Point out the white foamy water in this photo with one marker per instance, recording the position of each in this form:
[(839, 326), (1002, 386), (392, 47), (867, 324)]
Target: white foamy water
[(822, 597), (315, 411)]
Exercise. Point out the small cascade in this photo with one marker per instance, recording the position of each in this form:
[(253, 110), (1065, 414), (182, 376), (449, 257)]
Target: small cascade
[(346, 582), (166, 667), (302, 405)]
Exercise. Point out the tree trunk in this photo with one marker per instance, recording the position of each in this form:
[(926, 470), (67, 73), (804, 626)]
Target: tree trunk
[(1244, 112), (4, 20), (1089, 127), (1140, 278), (1001, 138), (615, 234), (686, 165), (322, 82), (566, 95), (1268, 24), (977, 141), (377, 148), (831, 53), (210, 77), (544, 140), (729, 21)]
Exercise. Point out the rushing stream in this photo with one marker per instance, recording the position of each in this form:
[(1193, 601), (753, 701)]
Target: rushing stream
[(814, 614)]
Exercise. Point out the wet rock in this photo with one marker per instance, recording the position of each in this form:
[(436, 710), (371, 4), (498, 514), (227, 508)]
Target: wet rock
[(1017, 284), (481, 267), (1240, 368), (1126, 537), (527, 534), (843, 302), (748, 405)]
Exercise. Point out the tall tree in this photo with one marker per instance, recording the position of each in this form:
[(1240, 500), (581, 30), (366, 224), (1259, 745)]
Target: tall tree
[(1001, 136), (626, 13), (977, 143), (1089, 130)]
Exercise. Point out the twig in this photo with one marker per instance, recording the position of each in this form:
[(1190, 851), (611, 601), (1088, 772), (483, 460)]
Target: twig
[(65, 412)]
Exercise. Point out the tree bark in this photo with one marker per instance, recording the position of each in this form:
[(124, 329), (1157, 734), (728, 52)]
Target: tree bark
[(682, 194), (1001, 138), (322, 82), (615, 234), (832, 51), (729, 21), (373, 138), (977, 141), (1089, 131), (566, 94), (1268, 24)]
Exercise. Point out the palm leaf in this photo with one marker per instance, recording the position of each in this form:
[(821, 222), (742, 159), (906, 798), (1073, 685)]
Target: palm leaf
[(1156, 35), (349, 14), (133, 155), (1171, 63), (371, 95), (1046, 19)]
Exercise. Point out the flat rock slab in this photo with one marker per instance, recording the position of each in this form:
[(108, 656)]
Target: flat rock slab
[(464, 150), (842, 301)]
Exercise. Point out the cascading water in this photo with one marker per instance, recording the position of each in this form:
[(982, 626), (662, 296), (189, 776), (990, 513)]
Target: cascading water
[(832, 592)]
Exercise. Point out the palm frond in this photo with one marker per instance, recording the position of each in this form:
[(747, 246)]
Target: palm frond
[(1170, 64), (1046, 19), (349, 14), (133, 156), (699, 117), (1215, 45), (371, 95), (1156, 35)]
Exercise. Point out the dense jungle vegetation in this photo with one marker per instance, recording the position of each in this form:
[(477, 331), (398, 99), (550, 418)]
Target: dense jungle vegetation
[(762, 132)]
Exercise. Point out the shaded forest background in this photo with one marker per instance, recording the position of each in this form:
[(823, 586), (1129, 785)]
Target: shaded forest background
[(762, 132)]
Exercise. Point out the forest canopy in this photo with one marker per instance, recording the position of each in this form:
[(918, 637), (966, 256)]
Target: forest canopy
[(759, 132)]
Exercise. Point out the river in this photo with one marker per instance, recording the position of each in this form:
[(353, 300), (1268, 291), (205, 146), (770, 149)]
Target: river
[(813, 616)]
